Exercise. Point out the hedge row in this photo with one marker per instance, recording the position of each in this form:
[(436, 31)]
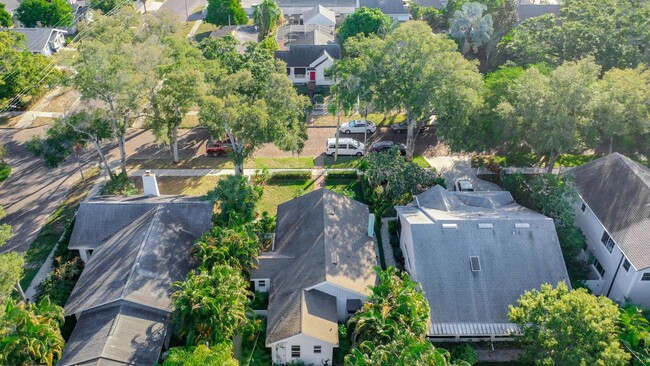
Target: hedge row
[(344, 175), (291, 175)]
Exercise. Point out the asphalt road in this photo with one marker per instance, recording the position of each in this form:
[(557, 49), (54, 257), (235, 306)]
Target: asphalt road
[(33, 191), (182, 8)]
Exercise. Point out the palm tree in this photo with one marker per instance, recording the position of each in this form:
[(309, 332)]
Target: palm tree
[(211, 305), (267, 15), (238, 247), (635, 334), (30, 333), (395, 304)]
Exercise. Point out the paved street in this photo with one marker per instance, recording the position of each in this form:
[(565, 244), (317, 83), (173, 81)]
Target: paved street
[(178, 7)]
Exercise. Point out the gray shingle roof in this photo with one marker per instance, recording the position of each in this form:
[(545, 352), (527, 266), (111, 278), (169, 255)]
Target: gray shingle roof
[(429, 3), (389, 7), (100, 218), (512, 259), (121, 334), (37, 38), (304, 55), (527, 11), (319, 9), (617, 190), (139, 262), (312, 230), (290, 35)]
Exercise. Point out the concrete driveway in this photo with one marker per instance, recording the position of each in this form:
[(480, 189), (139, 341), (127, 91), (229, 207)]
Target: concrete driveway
[(459, 166)]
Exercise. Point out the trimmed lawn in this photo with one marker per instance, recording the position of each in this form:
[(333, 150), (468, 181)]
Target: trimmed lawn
[(55, 225), (347, 187), (421, 162), (278, 192), (342, 161), (193, 186), (209, 162), (380, 120)]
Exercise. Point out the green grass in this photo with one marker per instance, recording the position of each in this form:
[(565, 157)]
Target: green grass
[(277, 193), (54, 227), (346, 187), (341, 162), (209, 162), (192, 186), (204, 30), (421, 162)]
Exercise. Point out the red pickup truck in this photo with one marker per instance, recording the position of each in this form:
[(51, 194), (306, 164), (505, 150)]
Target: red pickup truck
[(218, 148)]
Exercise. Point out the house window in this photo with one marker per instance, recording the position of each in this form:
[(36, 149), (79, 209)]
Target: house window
[(607, 241), (626, 265), (599, 268), (299, 72), (317, 349), (583, 207), (646, 277), (288, 71), (295, 351), (261, 284)]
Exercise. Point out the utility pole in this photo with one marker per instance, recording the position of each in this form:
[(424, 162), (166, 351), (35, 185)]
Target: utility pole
[(338, 128), (187, 16)]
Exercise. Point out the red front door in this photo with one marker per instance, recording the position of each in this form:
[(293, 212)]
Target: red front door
[(312, 76)]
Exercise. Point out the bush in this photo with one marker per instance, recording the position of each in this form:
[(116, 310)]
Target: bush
[(237, 199), (571, 160), (120, 185), (398, 255), (464, 352), (5, 171), (290, 175), (60, 283), (261, 176), (260, 301), (345, 175)]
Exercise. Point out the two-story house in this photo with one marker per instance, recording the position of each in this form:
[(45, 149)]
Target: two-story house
[(317, 274), (614, 214)]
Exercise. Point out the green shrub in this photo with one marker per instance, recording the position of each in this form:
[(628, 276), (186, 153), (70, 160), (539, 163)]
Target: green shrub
[(345, 343), (120, 185), (439, 180), (60, 283), (571, 160), (344, 175), (5, 171), (464, 352), (260, 301), (261, 176), (290, 175)]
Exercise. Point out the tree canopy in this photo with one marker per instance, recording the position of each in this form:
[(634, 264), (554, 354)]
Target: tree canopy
[(226, 12), (415, 71), (267, 16), (568, 328), (217, 355), (54, 13), (21, 72), (364, 21), (471, 26), (253, 103), (614, 32), (5, 17)]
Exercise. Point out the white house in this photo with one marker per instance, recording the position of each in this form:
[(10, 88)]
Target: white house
[(309, 63), (614, 214), (475, 253), (317, 274), (319, 15), (45, 41)]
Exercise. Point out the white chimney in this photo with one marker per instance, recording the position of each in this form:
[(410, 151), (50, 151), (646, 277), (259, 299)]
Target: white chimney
[(371, 225), (150, 184)]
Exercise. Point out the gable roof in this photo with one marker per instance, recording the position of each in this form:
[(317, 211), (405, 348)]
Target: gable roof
[(388, 7), (617, 190), (139, 262), (304, 55), (309, 15), (429, 3), (527, 11), (321, 236), (121, 334), (513, 258), (37, 38)]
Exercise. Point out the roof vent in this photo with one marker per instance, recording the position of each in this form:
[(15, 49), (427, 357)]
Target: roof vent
[(485, 225), (475, 263), (449, 226), (522, 225)]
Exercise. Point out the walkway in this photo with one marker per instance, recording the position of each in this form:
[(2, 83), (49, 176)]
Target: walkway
[(459, 166), (385, 243)]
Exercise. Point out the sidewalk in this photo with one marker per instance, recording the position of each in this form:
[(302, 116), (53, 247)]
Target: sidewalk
[(212, 172)]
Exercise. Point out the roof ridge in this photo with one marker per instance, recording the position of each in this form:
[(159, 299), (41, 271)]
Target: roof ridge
[(154, 219), (631, 164)]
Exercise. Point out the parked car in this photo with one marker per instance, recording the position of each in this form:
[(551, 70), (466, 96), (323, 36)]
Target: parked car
[(358, 126), (403, 127), (218, 148), (463, 185), (382, 146), (347, 146)]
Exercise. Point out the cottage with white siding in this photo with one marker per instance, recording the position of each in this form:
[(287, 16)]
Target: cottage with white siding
[(317, 274), (475, 253), (319, 15), (309, 63), (614, 215), (45, 41)]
